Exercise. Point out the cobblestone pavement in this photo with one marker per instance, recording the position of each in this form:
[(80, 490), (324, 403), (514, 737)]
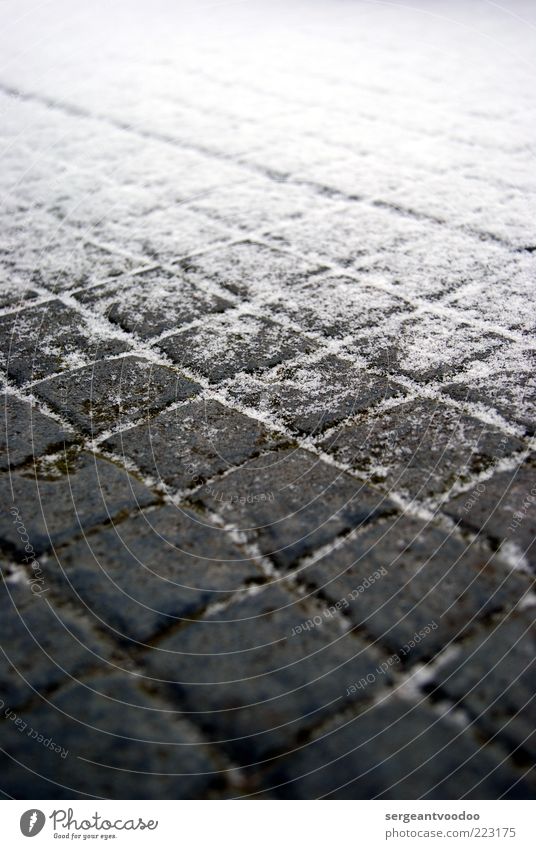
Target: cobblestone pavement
[(268, 478)]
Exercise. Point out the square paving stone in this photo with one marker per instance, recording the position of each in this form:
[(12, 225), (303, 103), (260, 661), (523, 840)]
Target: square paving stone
[(64, 495), (152, 302), (48, 338), (150, 571), (113, 741), (26, 433), (503, 508), (352, 236), (311, 397), (506, 303), (291, 502), (414, 587), (509, 388), (438, 263), (396, 751), (339, 306), (78, 264), (192, 443), (42, 645), (420, 448), (250, 270), (493, 679), (109, 394), (224, 345), (261, 203), (243, 677), (14, 293), (425, 347), (36, 249), (163, 235)]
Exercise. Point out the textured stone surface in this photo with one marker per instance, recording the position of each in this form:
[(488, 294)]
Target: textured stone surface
[(42, 340), (151, 571), (399, 751), (26, 433), (156, 301), (509, 387), (493, 678), (42, 646), (247, 269), (64, 495), (169, 759), (420, 448), (273, 285), (291, 502), (257, 686), (313, 396), (230, 343), (502, 508), (109, 395), (403, 575), (192, 443)]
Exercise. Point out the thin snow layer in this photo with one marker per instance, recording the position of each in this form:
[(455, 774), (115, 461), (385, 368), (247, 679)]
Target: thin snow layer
[(360, 172)]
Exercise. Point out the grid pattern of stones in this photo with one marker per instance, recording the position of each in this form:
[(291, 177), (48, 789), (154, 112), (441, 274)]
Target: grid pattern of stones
[(310, 190)]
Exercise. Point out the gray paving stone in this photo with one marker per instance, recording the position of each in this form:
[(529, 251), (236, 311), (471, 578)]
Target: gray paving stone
[(290, 502), (79, 264), (150, 571), (164, 235), (153, 302), (42, 646), (311, 397), (64, 495), (12, 292), (112, 393), (26, 433), (36, 249), (250, 270), (187, 445), (502, 508), (420, 448), (425, 347), (338, 306), (118, 743), (396, 751), (440, 262), (255, 687), (402, 575), (504, 301), (52, 337), (510, 389), (260, 204), (493, 678), (225, 345), (352, 236)]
